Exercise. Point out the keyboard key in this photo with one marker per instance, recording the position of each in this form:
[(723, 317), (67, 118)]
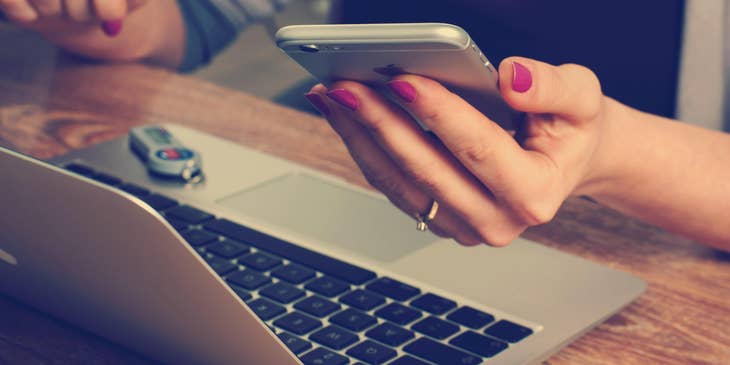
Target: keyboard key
[(390, 334), (408, 360), (259, 261), (317, 306), (159, 201), (243, 294), (294, 343), (470, 317), (297, 323), (177, 224), (301, 255), (436, 328), (248, 279), (353, 319), (135, 190), (80, 169), (393, 289), (293, 273), (478, 344), (433, 303), (439, 353), (282, 292), (334, 337), (362, 299), (321, 356), (372, 353), (228, 248), (106, 179), (198, 237), (219, 265), (398, 313), (508, 331), (266, 309), (189, 214), (328, 286)]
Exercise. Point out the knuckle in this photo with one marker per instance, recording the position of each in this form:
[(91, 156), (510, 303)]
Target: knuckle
[(377, 124), (590, 102), (430, 116), (423, 175), (497, 237), (474, 151), (47, 7), (466, 241), (388, 185), (348, 137), (532, 214)]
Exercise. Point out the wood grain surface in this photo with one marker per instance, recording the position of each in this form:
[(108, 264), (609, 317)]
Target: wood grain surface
[(683, 318)]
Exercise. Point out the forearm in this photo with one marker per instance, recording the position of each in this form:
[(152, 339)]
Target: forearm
[(671, 174), (153, 33)]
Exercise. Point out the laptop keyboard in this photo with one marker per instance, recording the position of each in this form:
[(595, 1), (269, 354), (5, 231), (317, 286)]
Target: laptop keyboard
[(327, 311)]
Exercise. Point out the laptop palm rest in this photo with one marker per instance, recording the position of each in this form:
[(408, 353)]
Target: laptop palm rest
[(332, 215)]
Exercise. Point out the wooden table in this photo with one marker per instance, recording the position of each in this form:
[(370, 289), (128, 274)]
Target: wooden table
[(684, 317)]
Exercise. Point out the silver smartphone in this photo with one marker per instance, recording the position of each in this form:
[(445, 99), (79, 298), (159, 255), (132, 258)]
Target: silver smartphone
[(374, 53)]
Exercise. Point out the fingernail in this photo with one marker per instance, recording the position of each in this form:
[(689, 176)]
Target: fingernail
[(317, 102), (112, 27), (521, 78), (344, 98), (403, 89)]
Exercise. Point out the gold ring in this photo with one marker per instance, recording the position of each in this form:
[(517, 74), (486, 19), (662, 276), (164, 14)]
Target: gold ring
[(423, 220)]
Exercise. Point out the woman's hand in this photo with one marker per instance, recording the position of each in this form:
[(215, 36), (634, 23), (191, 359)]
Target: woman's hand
[(490, 184), (69, 15), (153, 32)]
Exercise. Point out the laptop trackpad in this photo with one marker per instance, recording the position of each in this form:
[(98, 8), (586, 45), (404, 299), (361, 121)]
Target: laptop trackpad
[(332, 214)]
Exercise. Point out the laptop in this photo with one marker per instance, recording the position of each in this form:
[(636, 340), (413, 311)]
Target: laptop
[(269, 262)]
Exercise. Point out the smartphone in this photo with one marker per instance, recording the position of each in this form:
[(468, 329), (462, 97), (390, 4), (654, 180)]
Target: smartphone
[(374, 53)]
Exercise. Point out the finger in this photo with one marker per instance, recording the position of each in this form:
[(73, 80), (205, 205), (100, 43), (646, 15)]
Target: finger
[(78, 10), (571, 91), (110, 10), (48, 8), (381, 172), (432, 170), (134, 4), (487, 150), (20, 11)]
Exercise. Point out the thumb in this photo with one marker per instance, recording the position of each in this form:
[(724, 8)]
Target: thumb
[(569, 90)]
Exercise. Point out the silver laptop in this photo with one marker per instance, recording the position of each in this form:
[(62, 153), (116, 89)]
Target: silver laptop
[(269, 262)]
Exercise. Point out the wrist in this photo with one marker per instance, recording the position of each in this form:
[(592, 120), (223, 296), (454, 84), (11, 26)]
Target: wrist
[(610, 162)]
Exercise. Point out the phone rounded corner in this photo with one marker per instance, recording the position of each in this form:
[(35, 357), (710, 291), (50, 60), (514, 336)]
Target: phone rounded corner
[(453, 34), (283, 35)]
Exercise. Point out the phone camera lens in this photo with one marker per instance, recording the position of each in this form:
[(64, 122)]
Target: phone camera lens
[(309, 48)]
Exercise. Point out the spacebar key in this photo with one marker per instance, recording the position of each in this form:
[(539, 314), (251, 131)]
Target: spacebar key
[(301, 255), (439, 353)]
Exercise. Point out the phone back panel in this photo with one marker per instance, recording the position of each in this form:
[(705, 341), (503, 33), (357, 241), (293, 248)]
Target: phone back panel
[(375, 53)]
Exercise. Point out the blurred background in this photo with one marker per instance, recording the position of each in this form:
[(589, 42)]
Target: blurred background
[(265, 72)]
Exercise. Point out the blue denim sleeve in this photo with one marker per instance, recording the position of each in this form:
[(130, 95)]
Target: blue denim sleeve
[(210, 25), (207, 32)]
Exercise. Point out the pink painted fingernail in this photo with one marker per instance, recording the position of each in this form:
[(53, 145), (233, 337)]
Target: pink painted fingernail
[(317, 102), (112, 27), (521, 78), (344, 98), (403, 89)]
